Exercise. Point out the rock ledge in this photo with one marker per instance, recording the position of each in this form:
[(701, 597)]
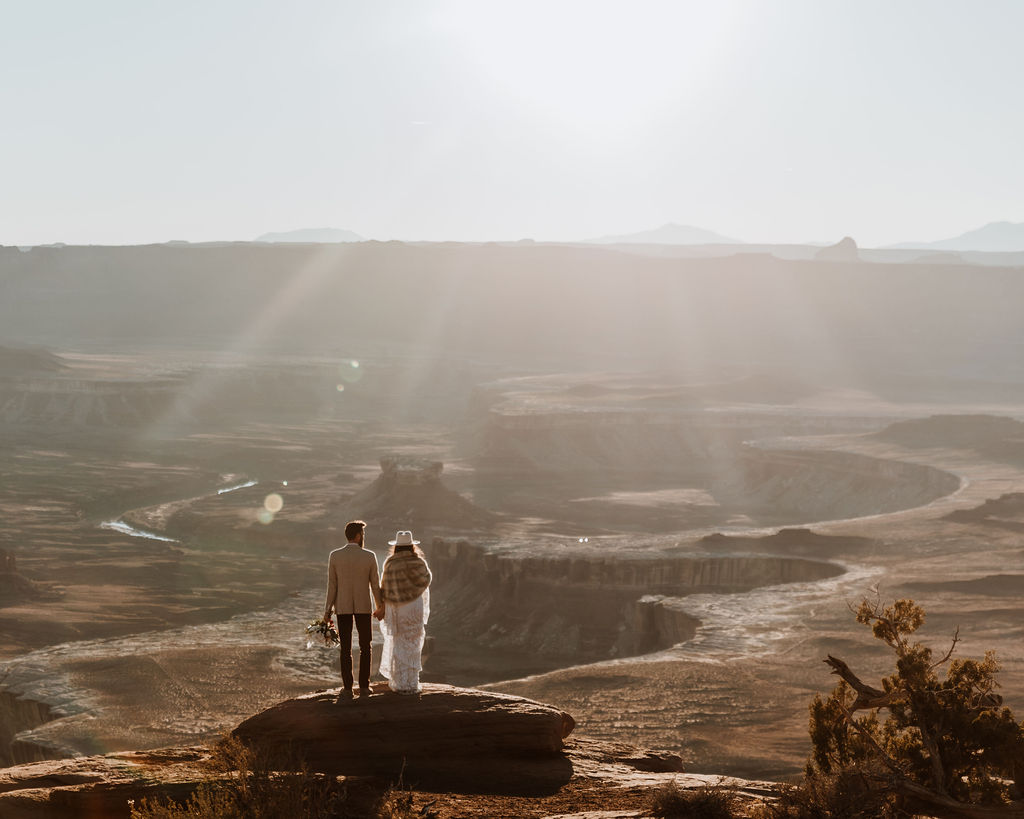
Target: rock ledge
[(437, 732)]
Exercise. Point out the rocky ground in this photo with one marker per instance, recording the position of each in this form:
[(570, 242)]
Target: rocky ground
[(458, 753)]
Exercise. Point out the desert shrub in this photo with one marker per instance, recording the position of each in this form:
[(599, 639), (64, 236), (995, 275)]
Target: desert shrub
[(852, 793), (708, 802), (246, 784), (946, 744)]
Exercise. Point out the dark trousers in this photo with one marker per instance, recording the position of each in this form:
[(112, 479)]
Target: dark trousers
[(345, 633)]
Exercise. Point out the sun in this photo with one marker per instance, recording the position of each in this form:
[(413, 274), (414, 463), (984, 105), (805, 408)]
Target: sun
[(600, 68)]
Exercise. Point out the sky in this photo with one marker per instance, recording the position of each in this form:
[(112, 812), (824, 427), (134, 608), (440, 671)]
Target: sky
[(129, 122)]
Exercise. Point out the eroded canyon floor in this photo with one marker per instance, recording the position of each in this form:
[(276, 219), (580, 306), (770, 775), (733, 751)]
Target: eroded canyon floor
[(669, 570)]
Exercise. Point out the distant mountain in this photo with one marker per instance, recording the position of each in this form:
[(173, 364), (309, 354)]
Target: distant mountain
[(845, 250), (321, 235), (995, 237), (670, 234)]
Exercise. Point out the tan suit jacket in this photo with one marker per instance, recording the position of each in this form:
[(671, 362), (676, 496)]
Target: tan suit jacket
[(351, 577)]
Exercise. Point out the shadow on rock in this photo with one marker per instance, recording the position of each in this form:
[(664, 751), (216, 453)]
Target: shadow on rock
[(445, 738)]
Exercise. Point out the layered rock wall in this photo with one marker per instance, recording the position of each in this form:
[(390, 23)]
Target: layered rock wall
[(62, 401), (18, 715), (586, 607), (796, 487), (629, 448)]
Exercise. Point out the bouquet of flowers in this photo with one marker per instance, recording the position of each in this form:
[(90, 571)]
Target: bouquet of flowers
[(325, 630)]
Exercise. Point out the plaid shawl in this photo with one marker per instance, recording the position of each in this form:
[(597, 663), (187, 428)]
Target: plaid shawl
[(405, 577)]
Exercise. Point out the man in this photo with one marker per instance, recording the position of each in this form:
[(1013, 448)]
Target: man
[(351, 577)]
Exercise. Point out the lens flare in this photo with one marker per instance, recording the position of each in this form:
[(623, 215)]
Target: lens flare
[(350, 371), (265, 516), (273, 503)]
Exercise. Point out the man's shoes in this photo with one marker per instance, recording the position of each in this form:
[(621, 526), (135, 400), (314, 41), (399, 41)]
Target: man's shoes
[(365, 692), (345, 694)]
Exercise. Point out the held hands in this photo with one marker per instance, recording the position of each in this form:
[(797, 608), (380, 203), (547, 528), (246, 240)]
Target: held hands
[(379, 612)]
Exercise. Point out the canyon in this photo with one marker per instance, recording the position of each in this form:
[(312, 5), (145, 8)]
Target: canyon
[(653, 531)]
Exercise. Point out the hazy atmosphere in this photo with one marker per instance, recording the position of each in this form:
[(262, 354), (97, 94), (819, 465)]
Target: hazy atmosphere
[(640, 384), (789, 122)]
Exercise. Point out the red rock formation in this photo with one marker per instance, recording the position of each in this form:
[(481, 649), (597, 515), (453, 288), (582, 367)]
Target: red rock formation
[(409, 494), (441, 733)]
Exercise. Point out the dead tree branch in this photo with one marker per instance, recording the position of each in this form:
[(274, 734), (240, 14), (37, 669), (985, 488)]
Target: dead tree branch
[(952, 646), (867, 696)]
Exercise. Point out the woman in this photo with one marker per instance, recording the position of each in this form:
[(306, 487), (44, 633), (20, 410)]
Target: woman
[(404, 586)]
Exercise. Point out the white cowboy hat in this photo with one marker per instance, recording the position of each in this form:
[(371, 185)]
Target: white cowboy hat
[(403, 538)]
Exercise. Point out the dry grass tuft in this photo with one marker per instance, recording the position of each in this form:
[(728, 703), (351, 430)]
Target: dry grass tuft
[(243, 784), (398, 803), (708, 802)]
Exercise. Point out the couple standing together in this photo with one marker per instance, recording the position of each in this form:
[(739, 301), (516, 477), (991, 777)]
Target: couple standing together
[(402, 601)]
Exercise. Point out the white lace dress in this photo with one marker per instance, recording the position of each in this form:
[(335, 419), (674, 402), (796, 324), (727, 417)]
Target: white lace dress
[(404, 627)]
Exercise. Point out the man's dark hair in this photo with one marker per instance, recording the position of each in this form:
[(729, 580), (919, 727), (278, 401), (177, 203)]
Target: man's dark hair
[(353, 528)]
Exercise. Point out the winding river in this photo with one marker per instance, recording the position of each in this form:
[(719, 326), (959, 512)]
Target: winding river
[(119, 525), (761, 621)]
